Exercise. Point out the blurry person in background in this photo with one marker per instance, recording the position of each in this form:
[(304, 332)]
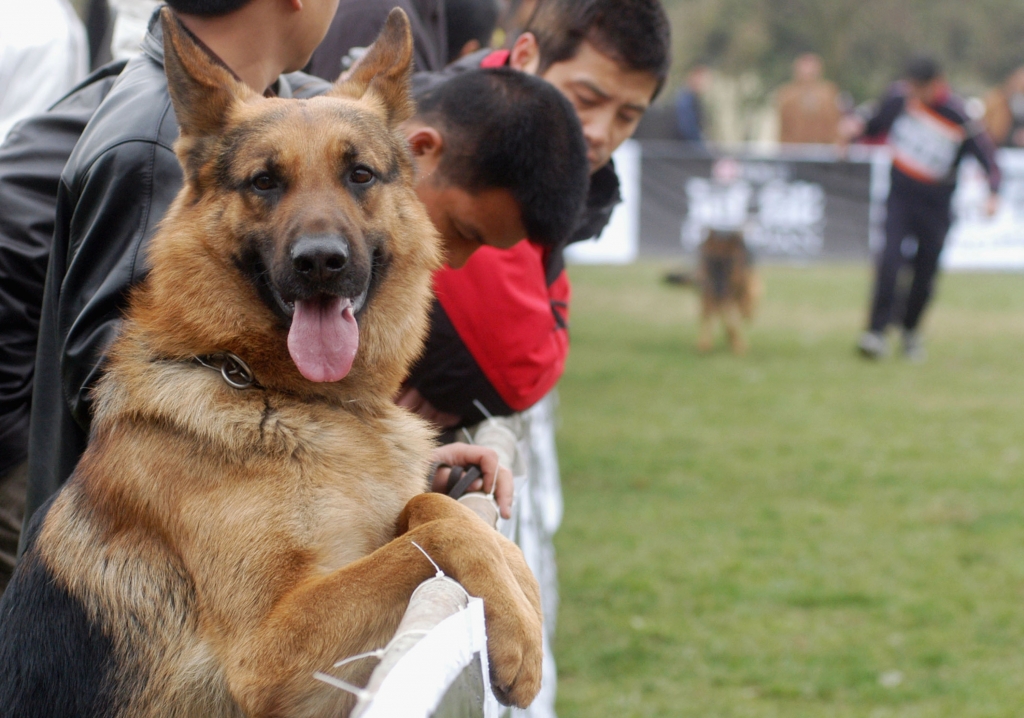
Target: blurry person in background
[(1004, 111), (43, 54), (357, 23), (131, 22), (515, 16), (690, 114), (929, 133), (471, 25), (98, 16), (809, 106)]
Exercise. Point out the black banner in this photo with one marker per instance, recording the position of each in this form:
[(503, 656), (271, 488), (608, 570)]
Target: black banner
[(799, 204)]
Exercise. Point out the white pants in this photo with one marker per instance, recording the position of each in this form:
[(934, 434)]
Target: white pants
[(525, 442)]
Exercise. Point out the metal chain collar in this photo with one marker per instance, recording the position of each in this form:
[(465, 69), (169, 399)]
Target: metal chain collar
[(235, 372)]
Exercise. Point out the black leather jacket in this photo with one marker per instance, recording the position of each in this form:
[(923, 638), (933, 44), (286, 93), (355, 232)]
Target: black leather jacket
[(117, 184), (31, 159)]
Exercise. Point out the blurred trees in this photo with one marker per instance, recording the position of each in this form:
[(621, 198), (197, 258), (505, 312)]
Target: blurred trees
[(864, 43)]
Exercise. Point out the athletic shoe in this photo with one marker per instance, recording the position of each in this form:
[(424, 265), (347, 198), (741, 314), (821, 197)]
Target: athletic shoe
[(913, 347), (872, 345)]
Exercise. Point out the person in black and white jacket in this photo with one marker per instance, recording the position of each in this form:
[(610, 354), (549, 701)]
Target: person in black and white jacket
[(929, 132)]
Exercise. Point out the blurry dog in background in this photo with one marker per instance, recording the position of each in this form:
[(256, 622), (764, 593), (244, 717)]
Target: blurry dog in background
[(729, 289)]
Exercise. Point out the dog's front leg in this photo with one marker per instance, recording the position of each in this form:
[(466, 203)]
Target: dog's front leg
[(358, 607)]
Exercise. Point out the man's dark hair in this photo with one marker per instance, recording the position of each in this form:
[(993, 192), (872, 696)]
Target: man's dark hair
[(207, 8), (469, 20), (635, 33), (922, 70), (504, 129)]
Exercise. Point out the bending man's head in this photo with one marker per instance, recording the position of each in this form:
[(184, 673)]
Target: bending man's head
[(500, 157)]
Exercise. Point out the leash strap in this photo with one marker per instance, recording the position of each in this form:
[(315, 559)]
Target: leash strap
[(459, 480)]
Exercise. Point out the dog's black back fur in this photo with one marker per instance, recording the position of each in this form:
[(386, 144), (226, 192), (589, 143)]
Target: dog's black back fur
[(46, 633)]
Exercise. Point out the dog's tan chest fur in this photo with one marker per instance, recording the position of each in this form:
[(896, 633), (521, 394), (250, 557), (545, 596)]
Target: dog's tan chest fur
[(325, 471)]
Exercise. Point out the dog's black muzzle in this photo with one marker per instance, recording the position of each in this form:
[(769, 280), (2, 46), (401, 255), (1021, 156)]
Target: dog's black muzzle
[(319, 260), (323, 264)]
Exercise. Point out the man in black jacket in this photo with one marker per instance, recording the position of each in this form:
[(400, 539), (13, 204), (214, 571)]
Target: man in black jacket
[(31, 160), (130, 165), (929, 132)]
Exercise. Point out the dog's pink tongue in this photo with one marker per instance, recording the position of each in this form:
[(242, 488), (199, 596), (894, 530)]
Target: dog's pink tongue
[(323, 338)]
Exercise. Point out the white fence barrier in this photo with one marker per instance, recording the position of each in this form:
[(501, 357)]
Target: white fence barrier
[(437, 666)]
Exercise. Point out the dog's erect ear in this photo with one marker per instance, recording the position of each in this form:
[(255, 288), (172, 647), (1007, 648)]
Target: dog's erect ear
[(201, 90), (385, 70)]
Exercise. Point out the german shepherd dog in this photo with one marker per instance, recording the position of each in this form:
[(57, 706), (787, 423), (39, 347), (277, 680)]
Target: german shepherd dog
[(729, 289), (217, 545)]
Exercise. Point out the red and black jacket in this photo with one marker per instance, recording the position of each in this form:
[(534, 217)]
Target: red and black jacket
[(499, 325)]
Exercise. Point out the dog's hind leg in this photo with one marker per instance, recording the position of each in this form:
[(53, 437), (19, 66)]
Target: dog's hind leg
[(751, 295), (734, 328)]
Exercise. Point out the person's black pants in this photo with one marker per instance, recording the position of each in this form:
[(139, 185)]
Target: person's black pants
[(928, 223)]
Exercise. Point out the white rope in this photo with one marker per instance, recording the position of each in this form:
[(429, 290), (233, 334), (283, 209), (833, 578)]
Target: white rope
[(359, 693), (483, 409), (440, 573), (360, 656)]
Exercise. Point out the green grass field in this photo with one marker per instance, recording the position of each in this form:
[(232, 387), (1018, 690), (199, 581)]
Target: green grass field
[(797, 532)]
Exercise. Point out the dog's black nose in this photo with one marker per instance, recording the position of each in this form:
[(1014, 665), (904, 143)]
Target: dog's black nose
[(320, 258)]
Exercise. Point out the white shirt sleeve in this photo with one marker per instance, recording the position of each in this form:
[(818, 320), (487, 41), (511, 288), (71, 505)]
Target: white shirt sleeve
[(43, 54)]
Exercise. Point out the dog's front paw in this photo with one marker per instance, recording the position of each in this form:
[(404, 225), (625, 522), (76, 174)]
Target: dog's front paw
[(514, 627), (493, 568), (424, 508), (515, 652)]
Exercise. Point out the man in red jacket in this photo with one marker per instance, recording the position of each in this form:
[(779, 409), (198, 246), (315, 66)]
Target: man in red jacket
[(499, 328), (499, 325)]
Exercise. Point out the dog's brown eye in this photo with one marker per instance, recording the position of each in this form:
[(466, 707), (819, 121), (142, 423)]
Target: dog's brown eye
[(264, 182), (361, 175)]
